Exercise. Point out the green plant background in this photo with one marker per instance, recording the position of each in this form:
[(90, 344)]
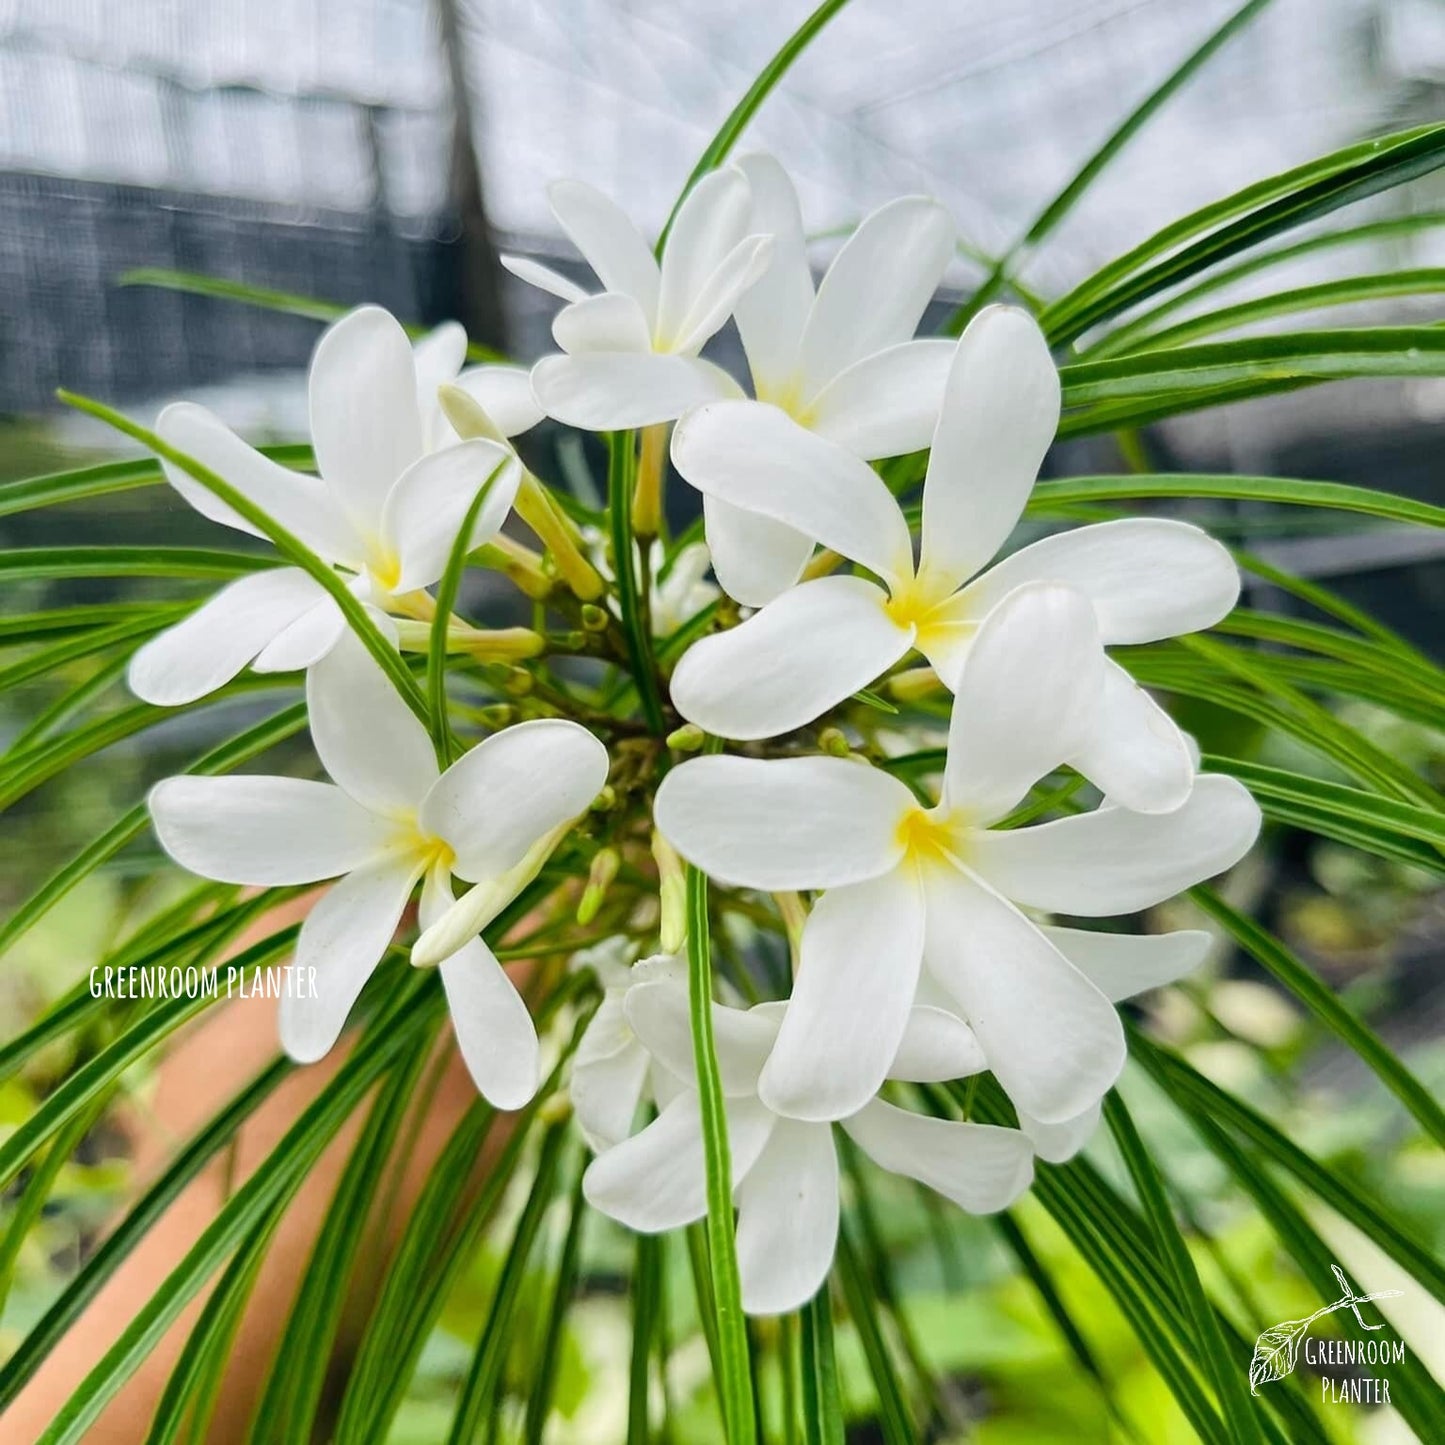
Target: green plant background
[(1278, 1113)]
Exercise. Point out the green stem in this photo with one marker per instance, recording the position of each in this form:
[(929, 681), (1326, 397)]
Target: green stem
[(621, 469), (822, 1411), (436, 667), (646, 1282), (722, 143), (1174, 1253), (1048, 219), (735, 1383)]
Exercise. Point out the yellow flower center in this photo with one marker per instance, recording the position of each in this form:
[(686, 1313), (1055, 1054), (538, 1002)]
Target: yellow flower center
[(384, 564), (914, 602), (428, 850), (930, 835), (787, 395)]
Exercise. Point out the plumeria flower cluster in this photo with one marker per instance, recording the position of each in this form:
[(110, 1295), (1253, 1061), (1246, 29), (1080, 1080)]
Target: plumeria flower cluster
[(931, 903)]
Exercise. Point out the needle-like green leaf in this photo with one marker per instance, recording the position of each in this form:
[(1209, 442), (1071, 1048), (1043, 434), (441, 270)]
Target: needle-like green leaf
[(734, 1380)]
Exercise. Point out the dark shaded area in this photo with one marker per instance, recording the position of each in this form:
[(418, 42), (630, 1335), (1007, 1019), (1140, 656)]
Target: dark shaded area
[(64, 321)]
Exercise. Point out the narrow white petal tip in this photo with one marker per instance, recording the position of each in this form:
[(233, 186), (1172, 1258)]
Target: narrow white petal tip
[(516, 1095), (310, 1053)]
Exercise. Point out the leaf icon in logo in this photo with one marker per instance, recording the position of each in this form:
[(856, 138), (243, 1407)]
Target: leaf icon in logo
[(1276, 1352)]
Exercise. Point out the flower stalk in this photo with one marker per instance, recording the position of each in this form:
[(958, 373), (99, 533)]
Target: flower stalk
[(518, 563), (651, 472), (621, 474)]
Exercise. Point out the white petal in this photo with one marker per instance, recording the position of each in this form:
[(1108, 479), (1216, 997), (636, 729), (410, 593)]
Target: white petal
[(656, 1180), (264, 831), (495, 1033), (877, 288), (789, 663), (788, 1219), (758, 458), (659, 1016), (714, 303), (306, 641), (980, 1167), (612, 245), (1120, 965), (438, 357), (1137, 755), (300, 503), (505, 394), (1115, 861), (888, 403), (615, 390), (544, 278), (208, 648), (1056, 1143), (859, 963), (370, 743), (605, 1093), (1000, 413), (785, 823), (936, 1046), (710, 222), (425, 510), (1051, 1038), (511, 790), (365, 422), (772, 312), (947, 635), (754, 557), (608, 1033), (342, 940), (1027, 701), (1148, 578), (610, 321), (663, 1084)]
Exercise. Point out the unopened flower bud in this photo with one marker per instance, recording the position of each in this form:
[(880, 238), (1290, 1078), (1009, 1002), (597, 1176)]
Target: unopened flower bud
[(594, 618), (605, 863), (557, 1109), (917, 682), (686, 739), (672, 894), (606, 800), (466, 414), (498, 715), (833, 742), (519, 682)]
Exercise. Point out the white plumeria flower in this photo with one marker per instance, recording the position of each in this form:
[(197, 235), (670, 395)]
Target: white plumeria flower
[(386, 820), (674, 597), (630, 354), (612, 1070), (821, 641), (784, 1170), (680, 594), (1119, 965), (937, 889), (842, 362), (384, 508), (504, 394)]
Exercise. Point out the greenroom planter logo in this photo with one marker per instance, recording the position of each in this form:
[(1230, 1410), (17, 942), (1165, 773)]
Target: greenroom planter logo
[(1278, 1349)]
